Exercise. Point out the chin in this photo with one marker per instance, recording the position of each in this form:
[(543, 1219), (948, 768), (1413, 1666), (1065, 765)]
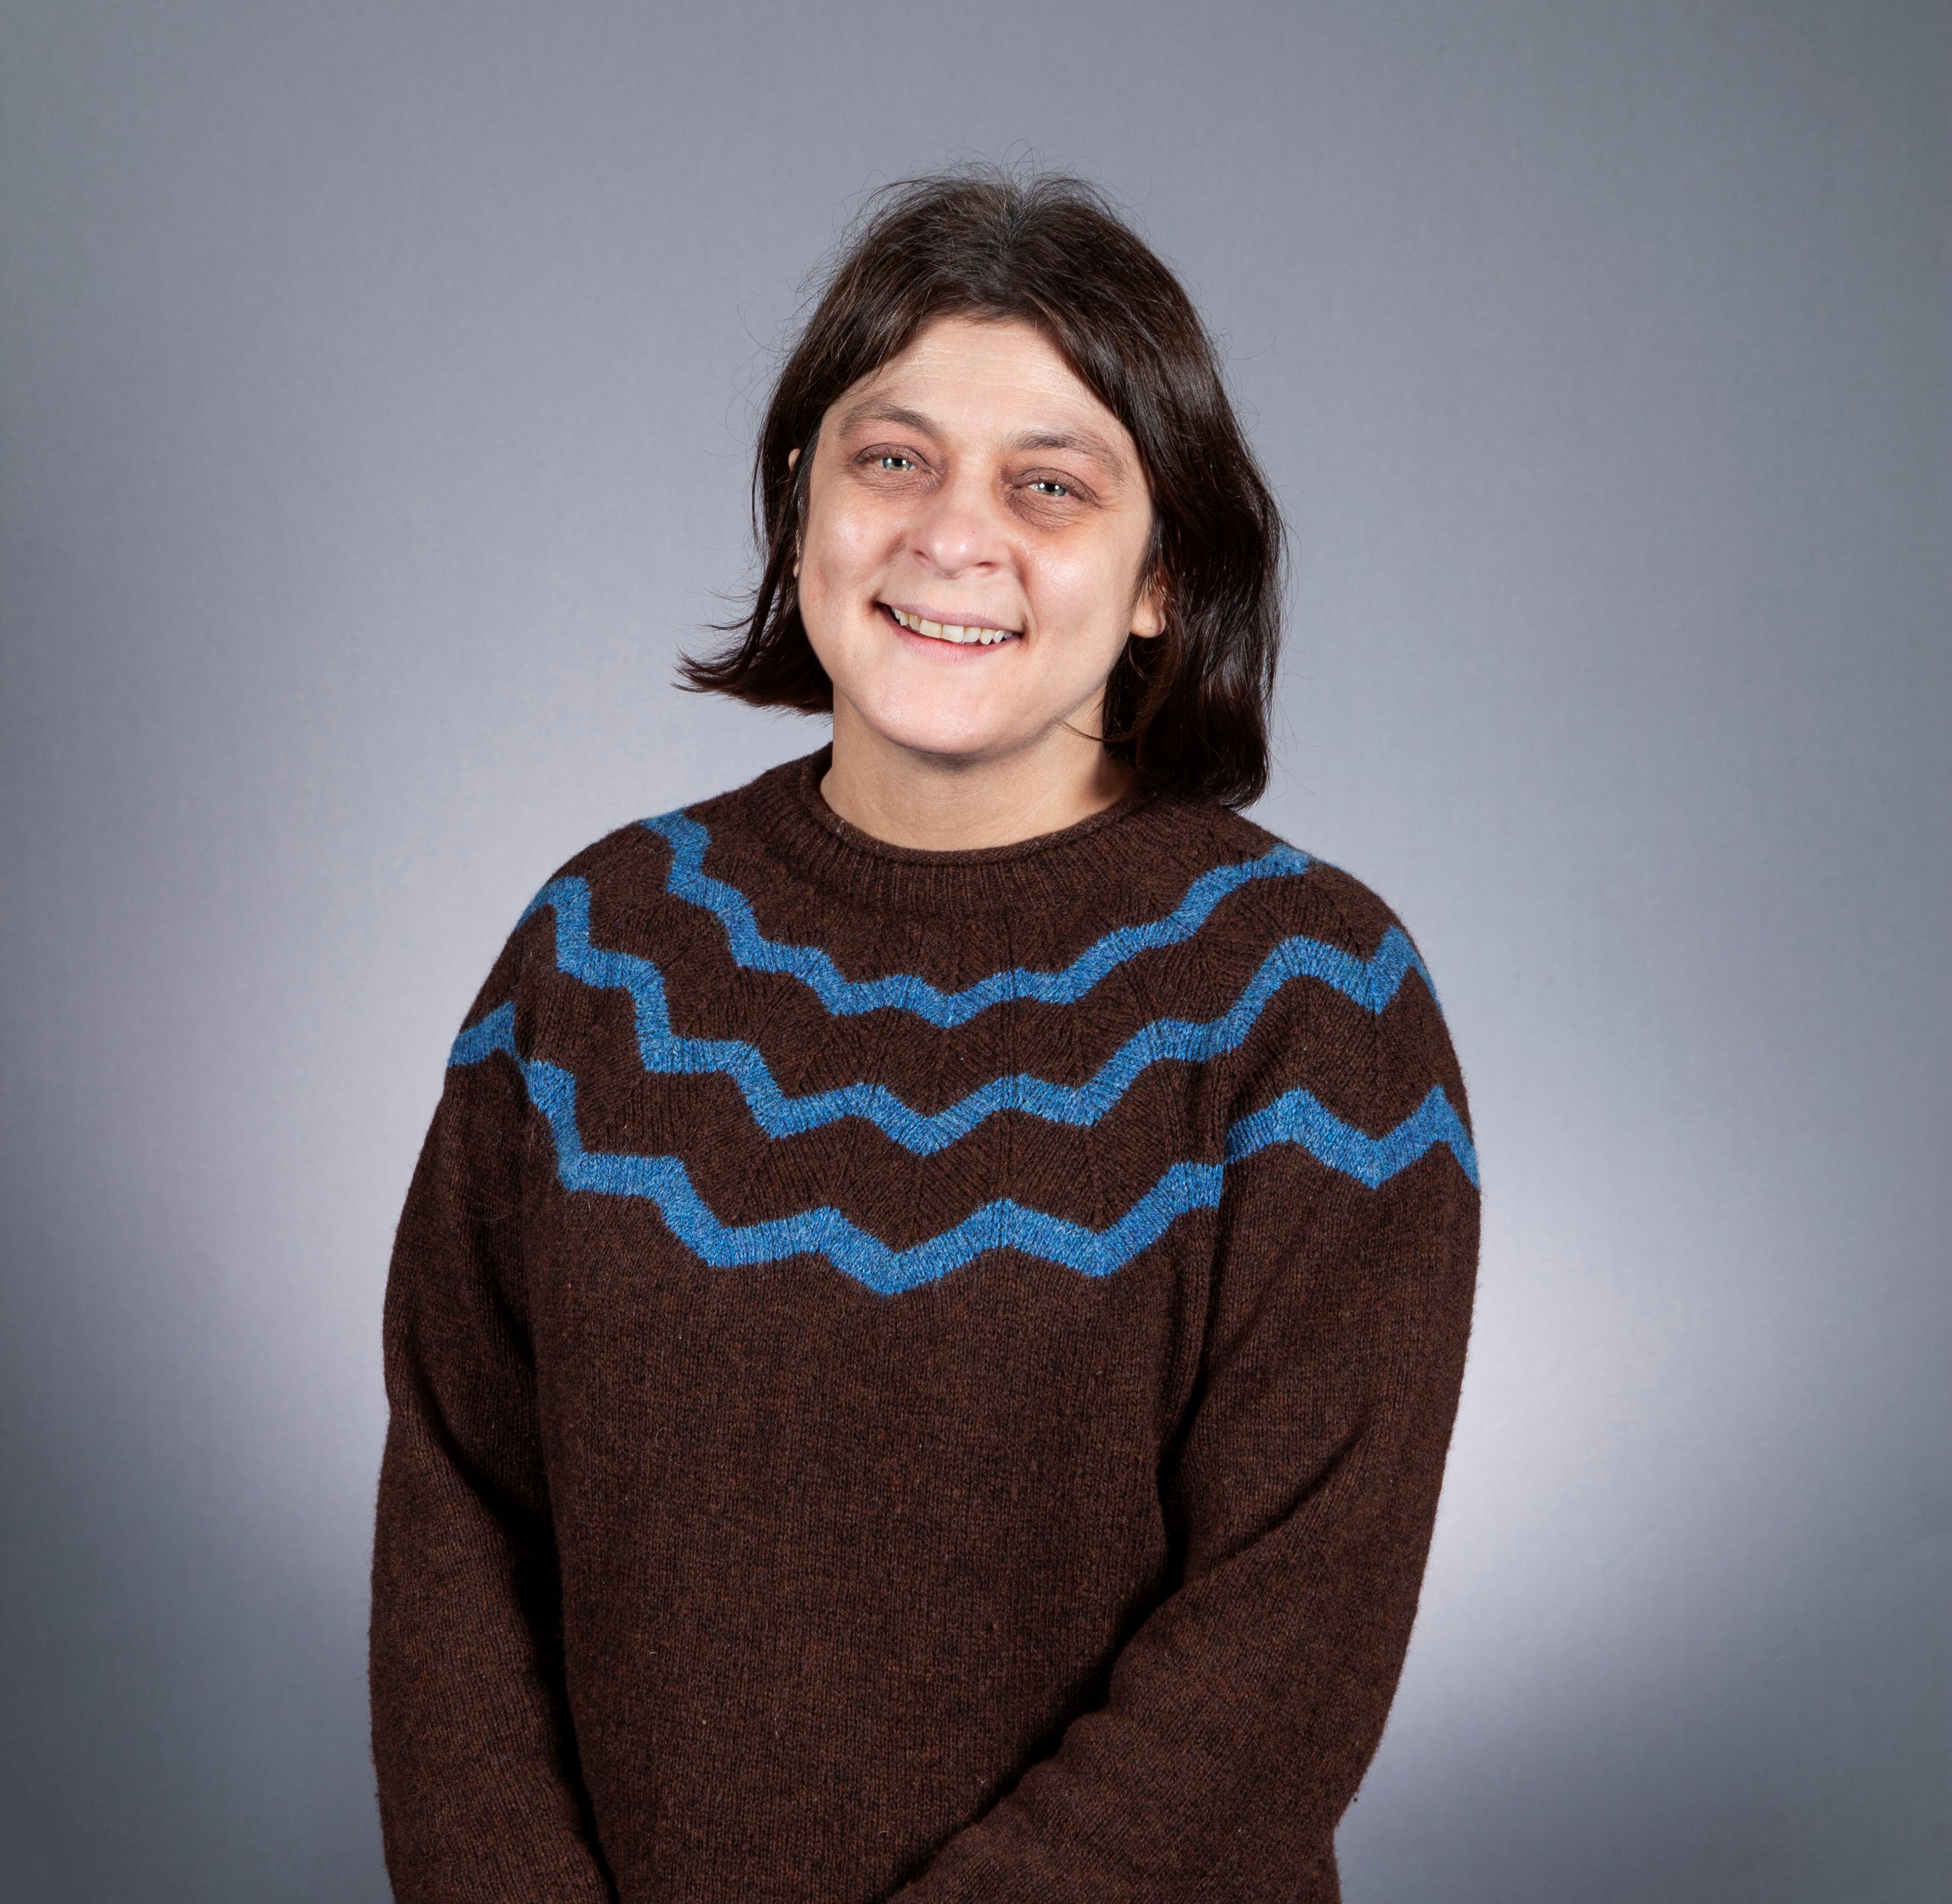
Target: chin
[(946, 730)]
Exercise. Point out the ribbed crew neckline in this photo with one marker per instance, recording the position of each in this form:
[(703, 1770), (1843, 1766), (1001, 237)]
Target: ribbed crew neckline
[(790, 810), (812, 769)]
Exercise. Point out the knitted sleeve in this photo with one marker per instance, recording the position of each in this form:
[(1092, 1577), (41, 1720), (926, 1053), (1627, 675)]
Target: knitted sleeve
[(479, 1792), (1242, 1713)]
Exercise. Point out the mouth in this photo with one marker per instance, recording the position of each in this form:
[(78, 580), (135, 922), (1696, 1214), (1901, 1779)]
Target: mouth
[(956, 634)]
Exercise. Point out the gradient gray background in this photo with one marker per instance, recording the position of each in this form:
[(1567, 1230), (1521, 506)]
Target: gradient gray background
[(378, 380)]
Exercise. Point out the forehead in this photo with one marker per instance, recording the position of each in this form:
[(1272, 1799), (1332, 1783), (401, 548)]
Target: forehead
[(985, 376)]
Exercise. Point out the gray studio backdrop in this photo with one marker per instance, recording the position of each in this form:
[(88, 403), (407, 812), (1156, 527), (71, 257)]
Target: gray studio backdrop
[(378, 380)]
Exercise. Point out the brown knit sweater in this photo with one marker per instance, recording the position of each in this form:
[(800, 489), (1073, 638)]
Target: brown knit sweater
[(917, 1375)]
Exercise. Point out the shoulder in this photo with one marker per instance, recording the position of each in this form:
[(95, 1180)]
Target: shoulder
[(1339, 1022), (639, 865), (617, 890), (621, 859), (1313, 899)]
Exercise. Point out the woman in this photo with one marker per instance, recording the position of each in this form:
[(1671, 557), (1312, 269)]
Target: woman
[(922, 1342)]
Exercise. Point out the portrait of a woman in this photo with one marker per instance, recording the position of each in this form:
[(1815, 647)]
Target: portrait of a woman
[(923, 1340)]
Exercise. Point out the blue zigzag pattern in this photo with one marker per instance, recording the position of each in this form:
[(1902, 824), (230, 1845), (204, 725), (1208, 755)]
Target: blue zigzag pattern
[(1296, 1117), (1372, 983), (1300, 1117), (908, 992)]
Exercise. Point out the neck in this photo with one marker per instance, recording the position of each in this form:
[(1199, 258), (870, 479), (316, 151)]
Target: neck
[(951, 803)]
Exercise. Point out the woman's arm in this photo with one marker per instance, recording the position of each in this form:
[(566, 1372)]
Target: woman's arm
[(480, 1799), (1242, 1714)]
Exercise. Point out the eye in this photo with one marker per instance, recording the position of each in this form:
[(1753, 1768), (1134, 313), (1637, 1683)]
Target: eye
[(893, 460), (1049, 486)]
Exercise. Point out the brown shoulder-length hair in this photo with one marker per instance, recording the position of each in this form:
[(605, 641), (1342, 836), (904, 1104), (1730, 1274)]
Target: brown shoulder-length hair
[(1187, 708)]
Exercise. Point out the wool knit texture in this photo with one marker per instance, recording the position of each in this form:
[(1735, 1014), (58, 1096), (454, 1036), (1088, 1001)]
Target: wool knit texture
[(917, 1375)]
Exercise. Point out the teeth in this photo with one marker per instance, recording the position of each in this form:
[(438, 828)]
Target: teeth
[(962, 635)]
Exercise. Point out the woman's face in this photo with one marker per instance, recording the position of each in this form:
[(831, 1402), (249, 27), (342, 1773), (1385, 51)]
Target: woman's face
[(976, 523)]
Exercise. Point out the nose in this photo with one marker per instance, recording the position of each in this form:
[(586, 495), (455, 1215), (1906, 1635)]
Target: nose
[(960, 527)]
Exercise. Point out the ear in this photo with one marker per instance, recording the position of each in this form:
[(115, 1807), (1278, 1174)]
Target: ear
[(792, 463), (1149, 610)]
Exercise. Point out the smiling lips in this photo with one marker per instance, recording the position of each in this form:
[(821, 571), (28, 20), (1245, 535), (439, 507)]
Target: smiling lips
[(950, 631)]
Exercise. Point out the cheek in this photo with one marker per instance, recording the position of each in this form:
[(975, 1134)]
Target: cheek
[(841, 557), (844, 542), (1085, 591), (819, 565)]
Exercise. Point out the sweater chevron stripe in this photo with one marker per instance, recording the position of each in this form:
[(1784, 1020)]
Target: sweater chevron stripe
[(907, 992)]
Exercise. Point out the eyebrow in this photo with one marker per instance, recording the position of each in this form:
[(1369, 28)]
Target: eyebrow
[(1081, 440), (1084, 441), (868, 411)]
